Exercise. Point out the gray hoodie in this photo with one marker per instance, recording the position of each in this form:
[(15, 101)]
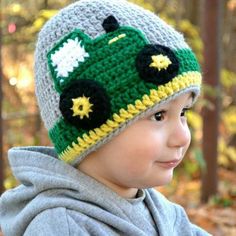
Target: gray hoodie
[(55, 199)]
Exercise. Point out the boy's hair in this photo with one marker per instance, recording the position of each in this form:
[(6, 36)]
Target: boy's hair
[(100, 65)]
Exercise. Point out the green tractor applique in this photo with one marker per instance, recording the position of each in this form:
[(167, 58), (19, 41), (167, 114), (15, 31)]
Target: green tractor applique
[(93, 76)]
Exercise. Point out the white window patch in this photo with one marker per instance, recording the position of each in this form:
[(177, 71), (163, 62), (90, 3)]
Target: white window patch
[(68, 57)]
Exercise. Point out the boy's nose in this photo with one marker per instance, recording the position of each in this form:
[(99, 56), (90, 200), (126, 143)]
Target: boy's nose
[(179, 135)]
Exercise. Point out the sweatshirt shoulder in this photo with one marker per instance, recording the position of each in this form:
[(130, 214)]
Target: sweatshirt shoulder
[(175, 216), (56, 221), (166, 205), (161, 202)]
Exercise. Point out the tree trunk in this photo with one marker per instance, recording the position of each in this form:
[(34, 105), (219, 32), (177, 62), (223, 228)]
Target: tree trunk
[(212, 52), (1, 144)]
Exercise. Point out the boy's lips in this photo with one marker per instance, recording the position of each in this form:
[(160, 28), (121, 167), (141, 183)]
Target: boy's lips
[(169, 164)]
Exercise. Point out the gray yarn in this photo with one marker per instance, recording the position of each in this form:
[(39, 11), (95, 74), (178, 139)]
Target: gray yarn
[(88, 16)]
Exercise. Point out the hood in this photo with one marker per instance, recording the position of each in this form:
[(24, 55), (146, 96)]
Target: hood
[(45, 183)]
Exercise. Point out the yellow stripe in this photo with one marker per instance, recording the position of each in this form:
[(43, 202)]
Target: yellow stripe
[(117, 38), (156, 95)]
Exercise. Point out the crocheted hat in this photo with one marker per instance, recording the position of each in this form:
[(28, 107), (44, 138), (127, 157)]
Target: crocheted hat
[(100, 65)]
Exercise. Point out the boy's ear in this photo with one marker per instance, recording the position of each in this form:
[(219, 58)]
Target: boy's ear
[(66, 56)]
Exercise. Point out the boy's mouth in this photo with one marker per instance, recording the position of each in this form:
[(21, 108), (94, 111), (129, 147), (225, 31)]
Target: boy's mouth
[(169, 164)]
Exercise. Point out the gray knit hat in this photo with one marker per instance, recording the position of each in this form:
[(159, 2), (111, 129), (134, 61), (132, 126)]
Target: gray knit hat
[(100, 65)]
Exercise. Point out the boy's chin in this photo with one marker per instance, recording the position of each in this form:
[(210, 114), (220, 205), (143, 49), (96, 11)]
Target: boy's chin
[(161, 182), (166, 179)]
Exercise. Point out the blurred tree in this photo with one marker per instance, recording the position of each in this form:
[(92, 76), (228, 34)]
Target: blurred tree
[(1, 78), (20, 24), (229, 34), (212, 51)]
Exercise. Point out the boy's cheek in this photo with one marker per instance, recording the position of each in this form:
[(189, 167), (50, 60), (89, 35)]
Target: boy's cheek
[(187, 146), (190, 137), (147, 150)]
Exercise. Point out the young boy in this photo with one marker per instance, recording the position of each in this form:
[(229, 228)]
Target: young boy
[(113, 83)]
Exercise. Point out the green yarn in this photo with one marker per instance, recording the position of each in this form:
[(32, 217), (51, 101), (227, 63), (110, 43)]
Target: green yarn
[(187, 61), (113, 66), (63, 134), (101, 54)]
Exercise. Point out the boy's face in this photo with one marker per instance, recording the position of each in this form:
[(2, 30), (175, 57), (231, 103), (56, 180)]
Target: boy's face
[(145, 154)]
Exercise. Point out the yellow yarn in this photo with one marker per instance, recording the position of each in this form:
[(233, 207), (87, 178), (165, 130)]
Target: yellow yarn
[(118, 119), (112, 124), (99, 132), (139, 105), (160, 62), (117, 38), (81, 107)]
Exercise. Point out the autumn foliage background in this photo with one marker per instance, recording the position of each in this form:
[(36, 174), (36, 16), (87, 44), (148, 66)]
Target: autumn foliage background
[(22, 126)]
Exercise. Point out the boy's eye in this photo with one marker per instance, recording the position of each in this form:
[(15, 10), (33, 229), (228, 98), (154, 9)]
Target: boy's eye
[(159, 116)]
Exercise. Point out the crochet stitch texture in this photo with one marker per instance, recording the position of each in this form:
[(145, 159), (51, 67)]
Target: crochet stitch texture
[(101, 65)]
